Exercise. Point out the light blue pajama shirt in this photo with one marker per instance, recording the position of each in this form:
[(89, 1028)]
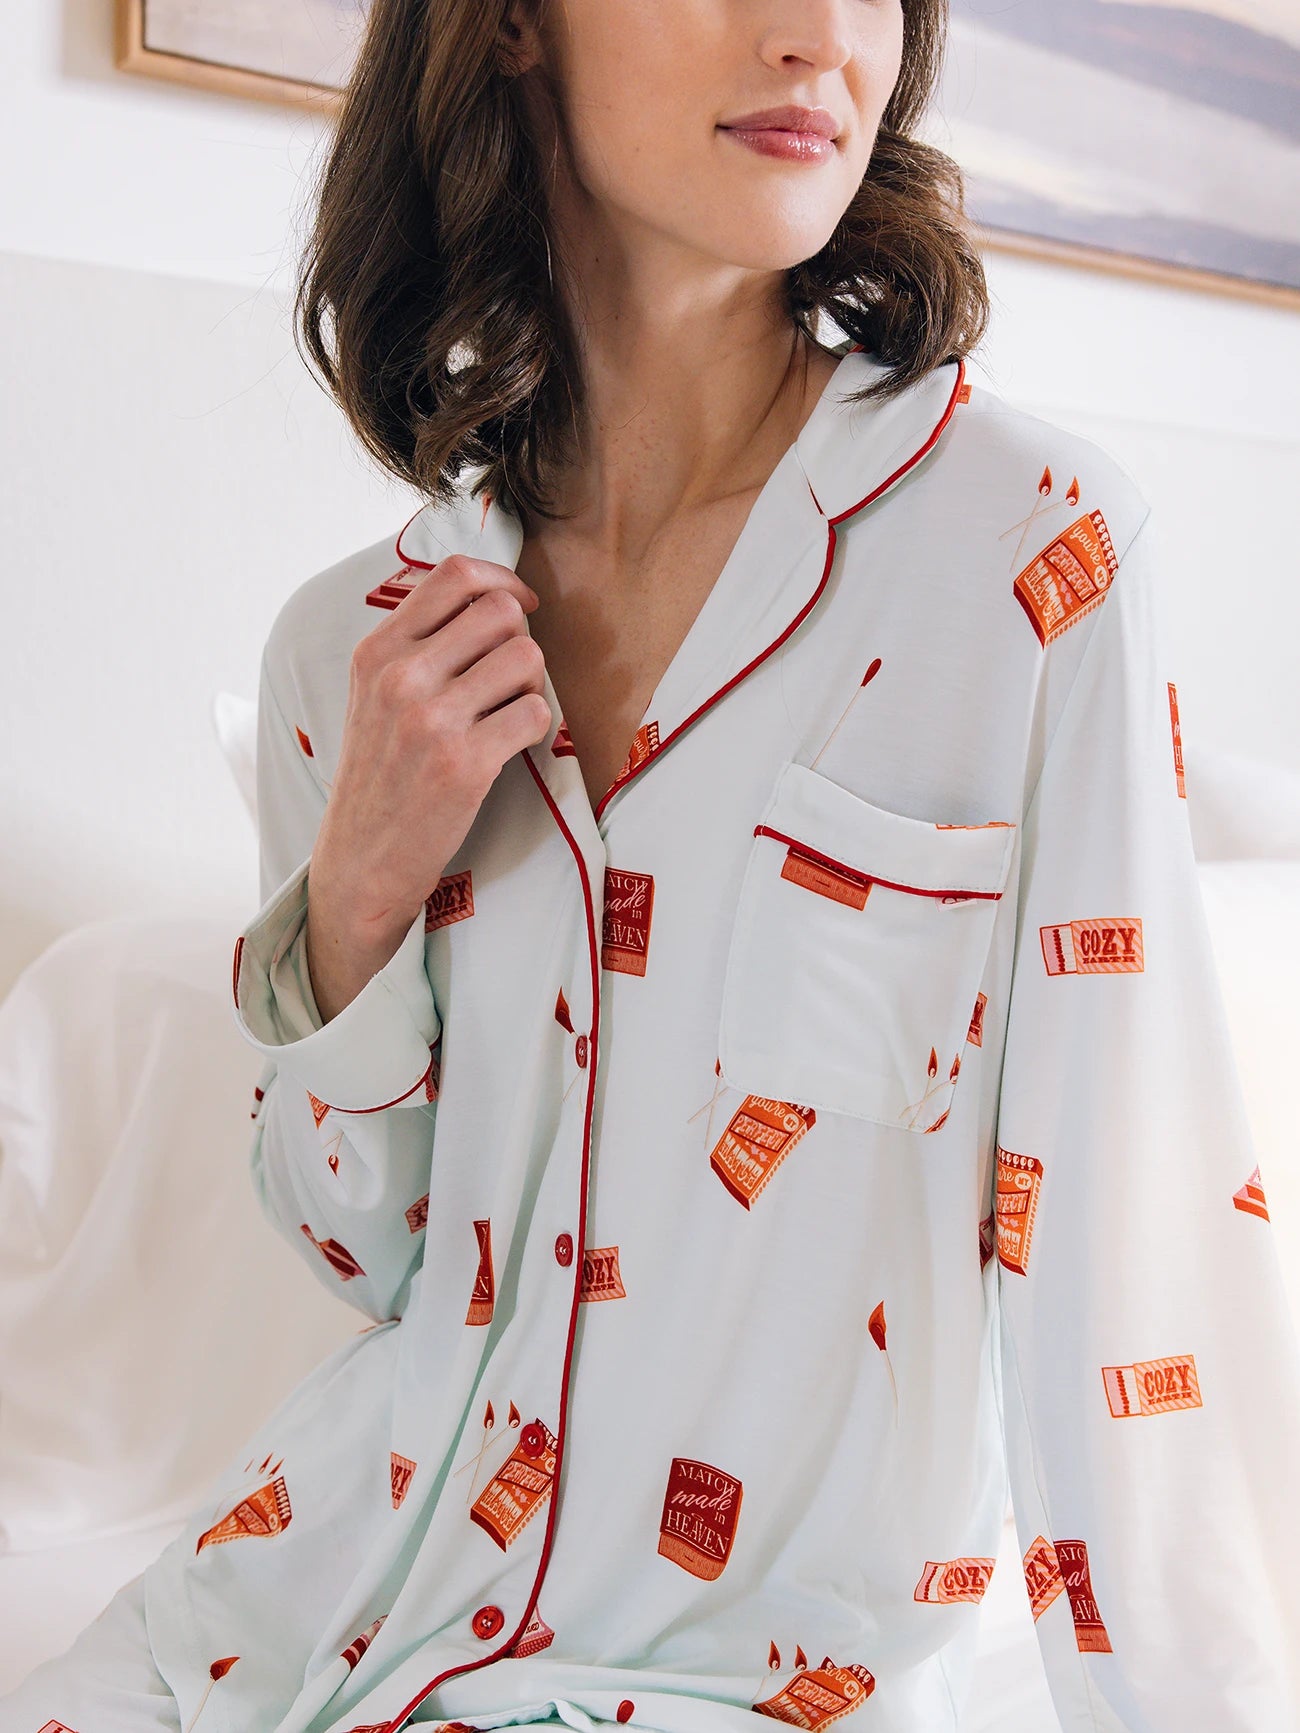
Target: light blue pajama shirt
[(741, 1178)]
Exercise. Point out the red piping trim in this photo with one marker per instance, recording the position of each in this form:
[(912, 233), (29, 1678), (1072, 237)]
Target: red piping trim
[(776, 643), (384, 1105), (858, 875), (239, 951), (594, 957)]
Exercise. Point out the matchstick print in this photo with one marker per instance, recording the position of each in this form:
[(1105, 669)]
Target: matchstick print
[(1152, 1387), (305, 743), (1039, 507), (914, 1109), (518, 1489), (816, 1696), (625, 930), (1177, 733), (1020, 1178), (562, 1012), (697, 1528), (483, 1298), (1250, 1198), (217, 1670), (452, 899), (876, 1327), (757, 1138), (600, 1276), (401, 1468), (1068, 578), (870, 674), (1093, 947), (955, 1579), (514, 1420)]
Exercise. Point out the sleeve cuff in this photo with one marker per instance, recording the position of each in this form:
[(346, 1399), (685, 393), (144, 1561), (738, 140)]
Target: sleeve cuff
[(376, 1053)]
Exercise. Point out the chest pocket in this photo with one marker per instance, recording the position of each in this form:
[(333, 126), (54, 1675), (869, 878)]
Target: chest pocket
[(857, 948)]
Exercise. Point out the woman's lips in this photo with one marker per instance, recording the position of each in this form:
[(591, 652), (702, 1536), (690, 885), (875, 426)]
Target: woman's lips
[(792, 146)]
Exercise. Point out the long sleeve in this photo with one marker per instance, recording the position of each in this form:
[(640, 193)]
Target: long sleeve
[(344, 1114), (1149, 1361)]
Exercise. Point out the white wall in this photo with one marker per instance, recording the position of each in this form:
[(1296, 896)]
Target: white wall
[(171, 471)]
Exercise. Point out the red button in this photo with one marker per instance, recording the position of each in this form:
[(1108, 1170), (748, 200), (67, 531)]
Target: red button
[(488, 1621), (532, 1440), (580, 1050), (626, 1709), (564, 1248)]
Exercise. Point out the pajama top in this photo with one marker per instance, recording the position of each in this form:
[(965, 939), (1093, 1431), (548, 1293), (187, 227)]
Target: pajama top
[(740, 1178)]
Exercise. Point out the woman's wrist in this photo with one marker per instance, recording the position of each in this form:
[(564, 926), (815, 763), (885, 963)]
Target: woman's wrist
[(344, 954)]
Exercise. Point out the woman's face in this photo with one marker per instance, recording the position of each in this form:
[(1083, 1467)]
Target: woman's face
[(647, 87)]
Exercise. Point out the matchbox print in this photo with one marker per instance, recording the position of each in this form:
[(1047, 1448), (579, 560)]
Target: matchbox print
[(988, 1239), (698, 1523), (954, 1579), (1020, 1178), (1250, 1197), (483, 1299), (1152, 1386), (625, 928), (417, 1216), (562, 746), (263, 1512), (828, 878), (401, 1468), (358, 1646), (393, 590), (1178, 740), (645, 743), (816, 1696), (909, 1114), (1093, 947), (1050, 1567), (520, 1485), (452, 899), (336, 1255), (1068, 578), (535, 1636), (975, 1034), (756, 1140), (600, 1277)]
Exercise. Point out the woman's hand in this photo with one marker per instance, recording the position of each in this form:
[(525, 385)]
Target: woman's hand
[(442, 693)]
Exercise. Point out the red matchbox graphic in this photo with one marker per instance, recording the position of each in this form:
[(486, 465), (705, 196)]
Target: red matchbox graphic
[(645, 743), (393, 590), (988, 1239), (433, 1076), (600, 1277), (816, 1696), (1251, 1197), (401, 1468), (337, 1255), (483, 1298), (417, 1216), (625, 924), (358, 1646), (1178, 740), (1152, 1386), (535, 1636), (54, 1727), (954, 1579), (562, 746), (698, 1524), (1050, 1567), (975, 1034), (264, 1512), (1093, 947), (758, 1137), (1069, 578), (319, 1108), (1020, 1178), (452, 900), (834, 880), (519, 1487)]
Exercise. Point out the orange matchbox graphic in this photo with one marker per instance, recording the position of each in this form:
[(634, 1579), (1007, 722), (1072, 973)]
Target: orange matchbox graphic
[(1050, 1567), (452, 899), (401, 1468), (1177, 733), (483, 1298), (816, 1696), (1020, 1178), (600, 1277), (393, 590), (1250, 1197), (1152, 1386), (954, 1579), (758, 1137), (520, 1485), (266, 1511), (1068, 578), (1093, 947)]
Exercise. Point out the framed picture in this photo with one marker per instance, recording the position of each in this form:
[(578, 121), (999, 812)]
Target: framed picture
[(286, 51), (1158, 138)]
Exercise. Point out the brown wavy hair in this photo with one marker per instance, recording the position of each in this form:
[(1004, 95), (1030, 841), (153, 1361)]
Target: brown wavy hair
[(428, 252)]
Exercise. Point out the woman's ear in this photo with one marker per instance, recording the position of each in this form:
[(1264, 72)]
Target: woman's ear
[(519, 43)]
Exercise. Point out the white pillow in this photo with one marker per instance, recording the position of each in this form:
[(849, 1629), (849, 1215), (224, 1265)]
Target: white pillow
[(235, 721)]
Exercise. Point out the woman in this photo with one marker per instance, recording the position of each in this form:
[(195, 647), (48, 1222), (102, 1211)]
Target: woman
[(689, 1077)]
